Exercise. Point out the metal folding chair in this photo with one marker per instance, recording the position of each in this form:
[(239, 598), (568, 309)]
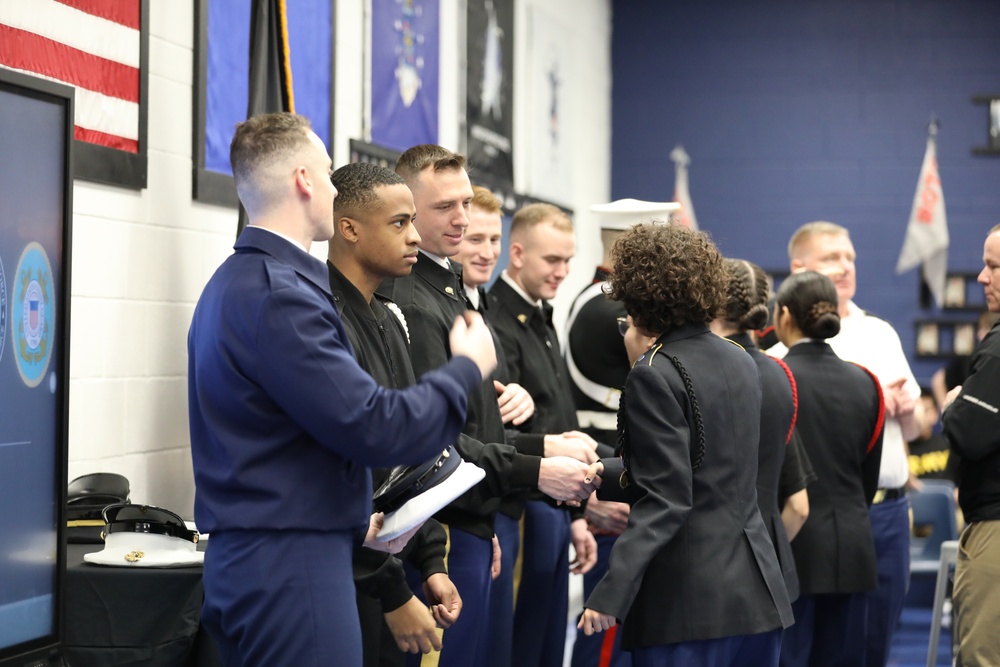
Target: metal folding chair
[(949, 555)]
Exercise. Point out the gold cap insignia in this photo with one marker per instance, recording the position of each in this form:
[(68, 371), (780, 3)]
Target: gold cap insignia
[(134, 556)]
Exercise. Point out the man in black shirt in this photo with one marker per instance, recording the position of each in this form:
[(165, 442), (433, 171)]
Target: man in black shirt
[(972, 426), (374, 239)]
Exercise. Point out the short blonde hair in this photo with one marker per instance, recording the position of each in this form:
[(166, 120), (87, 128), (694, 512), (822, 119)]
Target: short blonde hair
[(533, 214), (485, 200), (809, 230)]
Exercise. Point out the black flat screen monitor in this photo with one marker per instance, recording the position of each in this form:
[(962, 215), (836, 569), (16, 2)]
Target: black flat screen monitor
[(36, 139)]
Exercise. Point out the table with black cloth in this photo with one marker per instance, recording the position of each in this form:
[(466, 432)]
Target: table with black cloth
[(133, 615)]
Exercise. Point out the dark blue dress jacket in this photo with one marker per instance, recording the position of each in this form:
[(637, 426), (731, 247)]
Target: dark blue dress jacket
[(284, 422)]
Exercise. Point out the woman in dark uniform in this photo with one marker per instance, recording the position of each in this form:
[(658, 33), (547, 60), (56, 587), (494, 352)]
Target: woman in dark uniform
[(694, 575), (783, 469), (840, 420)]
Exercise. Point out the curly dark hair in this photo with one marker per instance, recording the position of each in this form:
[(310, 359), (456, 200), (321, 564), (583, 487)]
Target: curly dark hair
[(746, 303), (668, 276), (811, 299)]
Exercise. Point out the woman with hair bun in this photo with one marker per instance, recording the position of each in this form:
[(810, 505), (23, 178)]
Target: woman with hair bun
[(783, 469), (840, 419), (694, 575)]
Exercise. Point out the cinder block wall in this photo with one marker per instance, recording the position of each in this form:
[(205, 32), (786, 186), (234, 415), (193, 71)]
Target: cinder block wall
[(794, 112)]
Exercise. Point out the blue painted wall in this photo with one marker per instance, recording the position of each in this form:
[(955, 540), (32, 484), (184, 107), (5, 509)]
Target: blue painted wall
[(794, 111)]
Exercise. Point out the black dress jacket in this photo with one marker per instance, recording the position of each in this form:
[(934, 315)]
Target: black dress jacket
[(431, 297), (841, 414), (695, 561), (596, 344), (778, 409), (533, 360), (531, 350)]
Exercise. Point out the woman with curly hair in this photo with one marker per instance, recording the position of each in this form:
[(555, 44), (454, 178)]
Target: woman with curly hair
[(840, 420), (783, 469), (694, 575)]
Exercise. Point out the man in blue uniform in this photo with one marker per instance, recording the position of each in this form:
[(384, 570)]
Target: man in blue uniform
[(282, 480)]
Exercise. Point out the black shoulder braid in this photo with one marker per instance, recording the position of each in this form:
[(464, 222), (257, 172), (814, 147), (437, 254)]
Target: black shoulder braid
[(698, 428), (697, 453)]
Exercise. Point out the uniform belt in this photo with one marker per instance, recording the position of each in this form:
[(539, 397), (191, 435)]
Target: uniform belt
[(883, 495), (603, 421)]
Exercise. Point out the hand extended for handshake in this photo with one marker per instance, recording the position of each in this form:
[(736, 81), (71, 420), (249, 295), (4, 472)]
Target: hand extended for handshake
[(564, 472), (567, 479), (470, 337)]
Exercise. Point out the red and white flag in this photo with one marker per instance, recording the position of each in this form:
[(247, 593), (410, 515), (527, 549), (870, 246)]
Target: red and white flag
[(93, 45), (927, 233), (685, 216)]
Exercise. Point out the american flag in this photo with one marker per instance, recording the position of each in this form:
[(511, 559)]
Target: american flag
[(93, 45)]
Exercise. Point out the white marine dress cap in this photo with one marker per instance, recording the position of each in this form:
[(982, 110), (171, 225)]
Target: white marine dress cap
[(412, 494), (622, 214), (146, 536)]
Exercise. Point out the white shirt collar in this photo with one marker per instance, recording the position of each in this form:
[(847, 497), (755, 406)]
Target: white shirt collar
[(517, 288), (853, 310), (440, 261), (473, 294)]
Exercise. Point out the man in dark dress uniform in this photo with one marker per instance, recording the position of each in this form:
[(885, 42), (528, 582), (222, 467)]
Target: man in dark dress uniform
[(430, 297), (541, 246), (598, 364), (478, 255)]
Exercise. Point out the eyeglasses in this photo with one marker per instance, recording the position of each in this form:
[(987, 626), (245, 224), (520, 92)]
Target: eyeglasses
[(622, 325)]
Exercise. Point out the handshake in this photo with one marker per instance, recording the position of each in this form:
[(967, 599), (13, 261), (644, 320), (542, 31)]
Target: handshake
[(563, 473), (567, 471)]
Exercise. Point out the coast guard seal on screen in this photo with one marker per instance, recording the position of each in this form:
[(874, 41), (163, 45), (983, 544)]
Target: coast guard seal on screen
[(33, 314), (3, 311)]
